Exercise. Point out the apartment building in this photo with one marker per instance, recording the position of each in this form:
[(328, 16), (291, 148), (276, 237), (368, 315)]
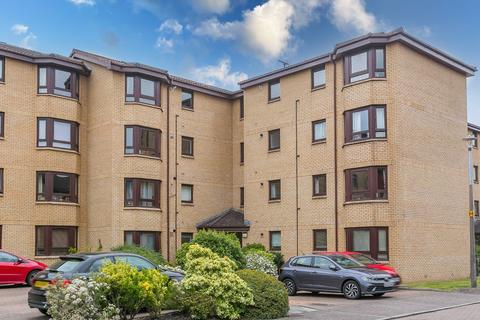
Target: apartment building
[(474, 130), (357, 149)]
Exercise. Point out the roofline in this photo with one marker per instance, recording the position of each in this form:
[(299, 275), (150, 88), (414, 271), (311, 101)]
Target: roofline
[(473, 127)]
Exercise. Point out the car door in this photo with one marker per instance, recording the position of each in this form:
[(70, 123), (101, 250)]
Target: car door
[(302, 270), (325, 278), (138, 262), (10, 272)]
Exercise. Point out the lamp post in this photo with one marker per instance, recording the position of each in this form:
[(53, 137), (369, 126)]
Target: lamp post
[(473, 259)]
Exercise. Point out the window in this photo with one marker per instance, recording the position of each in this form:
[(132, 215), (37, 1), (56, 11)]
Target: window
[(142, 193), (303, 262), (475, 174), (1, 236), (274, 140), (242, 152), (369, 183), (54, 240), (242, 108), (186, 237), (365, 123), (2, 69), (145, 239), (55, 133), (318, 131), (318, 77), (2, 124), (57, 187), (371, 240), (321, 263), (137, 262), (476, 207), (187, 193), (99, 263), (6, 257), (57, 81), (274, 90), (142, 140), (187, 99), (1, 180), (187, 146), (275, 241), (274, 190), (474, 133), (364, 65), (143, 90), (320, 240), (242, 197), (319, 185)]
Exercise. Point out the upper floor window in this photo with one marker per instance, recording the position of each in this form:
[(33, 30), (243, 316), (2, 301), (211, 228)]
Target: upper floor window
[(364, 65), (365, 123), (242, 152), (318, 131), (319, 185), (187, 99), (476, 207), (318, 77), (242, 108), (242, 197), (142, 193), (2, 69), (369, 183), (274, 140), (475, 174), (274, 90), (372, 241), (320, 240), (54, 240), (187, 193), (274, 190), (61, 82), (187, 146), (475, 142), (144, 239), (57, 187), (275, 240), (55, 133), (138, 89), (2, 124), (1, 180), (142, 140)]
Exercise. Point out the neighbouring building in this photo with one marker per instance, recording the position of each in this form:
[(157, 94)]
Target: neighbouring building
[(357, 149)]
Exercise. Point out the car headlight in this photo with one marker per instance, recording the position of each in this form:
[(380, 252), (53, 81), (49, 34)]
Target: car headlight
[(368, 279)]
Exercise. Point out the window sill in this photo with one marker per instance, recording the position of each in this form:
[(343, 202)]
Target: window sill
[(275, 201), (187, 204), (363, 81), (142, 156), (143, 208), (128, 103), (323, 86), (363, 141), (187, 156), (274, 150), (58, 149), (2, 82), (241, 119), (274, 100), (323, 141), (242, 163), (1, 195), (364, 201), (57, 96), (188, 109), (2, 138), (319, 197), (70, 204)]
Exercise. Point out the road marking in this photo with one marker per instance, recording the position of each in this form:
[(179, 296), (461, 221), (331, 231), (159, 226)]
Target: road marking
[(405, 315)]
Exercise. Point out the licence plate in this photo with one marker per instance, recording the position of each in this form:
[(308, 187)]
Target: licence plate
[(389, 284), (41, 284)]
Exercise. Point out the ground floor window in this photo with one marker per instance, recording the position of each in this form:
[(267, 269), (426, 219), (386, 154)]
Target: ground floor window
[(54, 240), (145, 239), (275, 240), (186, 237), (320, 240), (369, 240)]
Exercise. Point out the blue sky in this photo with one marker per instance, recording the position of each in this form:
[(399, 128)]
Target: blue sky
[(223, 41)]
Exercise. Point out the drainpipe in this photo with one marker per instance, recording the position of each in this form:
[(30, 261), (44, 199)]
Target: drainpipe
[(168, 171), (176, 181), (335, 146), (296, 171)]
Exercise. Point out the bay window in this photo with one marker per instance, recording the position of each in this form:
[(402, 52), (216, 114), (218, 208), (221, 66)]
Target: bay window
[(369, 63), (372, 241), (143, 90), (143, 193), (365, 123), (145, 239), (54, 240), (142, 140), (368, 183), (52, 80), (57, 187), (55, 133)]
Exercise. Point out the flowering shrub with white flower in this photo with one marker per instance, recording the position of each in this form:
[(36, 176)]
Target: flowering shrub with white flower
[(259, 262), (82, 299)]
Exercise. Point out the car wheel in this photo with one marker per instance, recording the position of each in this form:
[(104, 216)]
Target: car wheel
[(44, 311), (30, 276), (290, 286), (378, 294), (351, 290)]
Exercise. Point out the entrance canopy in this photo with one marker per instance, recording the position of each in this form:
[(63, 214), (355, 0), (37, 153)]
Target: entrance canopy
[(230, 220)]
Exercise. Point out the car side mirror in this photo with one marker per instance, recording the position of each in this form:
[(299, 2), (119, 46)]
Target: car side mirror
[(333, 267), (19, 261)]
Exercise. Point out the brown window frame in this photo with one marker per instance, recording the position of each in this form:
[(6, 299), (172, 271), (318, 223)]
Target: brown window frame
[(50, 88), (374, 251), (270, 84), (372, 192), (189, 234), (136, 96), (372, 124), (242, 152), (50, 134), (315, 248), (371, 70), (270, 133), (137, 234), (272, 182), (320, 194), (136, 201), (185, 105), (475, 174), (48, 194), (191, 193), (2, 74), (2, 124), (242, 197), (242, 108), (313, 71), (313, 130), (1, 235), (72, 239), (272, 248), (191, 140), (476, 207), (136, 148), (1, 180)]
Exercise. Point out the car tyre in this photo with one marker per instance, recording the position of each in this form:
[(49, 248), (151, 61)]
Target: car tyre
[(44, 311), (30, 276), (351, 290), (378, 294), (290, 286)]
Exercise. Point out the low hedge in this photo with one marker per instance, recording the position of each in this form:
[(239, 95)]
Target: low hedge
[(269, 296)]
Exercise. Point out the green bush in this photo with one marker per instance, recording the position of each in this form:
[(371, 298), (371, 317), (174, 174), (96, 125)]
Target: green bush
[(253, 246), (269, 295), (181, 255), (151, 255), (211, 288), (278, 259)]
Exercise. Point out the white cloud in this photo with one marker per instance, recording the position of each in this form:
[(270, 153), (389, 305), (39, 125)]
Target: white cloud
[(219, 75), (171, 25), (218, 30), (164, 44), (352, 14), (19, 28), (28, 41), (211, 6), (83, 2)]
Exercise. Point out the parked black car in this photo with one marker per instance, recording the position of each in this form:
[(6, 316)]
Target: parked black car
[(82, 264), (335, 273)]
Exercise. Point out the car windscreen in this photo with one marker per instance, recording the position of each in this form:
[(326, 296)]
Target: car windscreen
[(65, 265), (363, 258), (345, 262)]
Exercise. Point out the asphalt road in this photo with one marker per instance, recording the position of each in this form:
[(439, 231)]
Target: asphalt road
[(13, 305)]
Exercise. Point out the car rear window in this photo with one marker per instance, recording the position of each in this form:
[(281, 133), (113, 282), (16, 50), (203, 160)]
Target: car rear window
[(65, 265)]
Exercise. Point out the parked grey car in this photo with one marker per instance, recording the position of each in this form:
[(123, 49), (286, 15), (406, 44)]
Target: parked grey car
[(335, 273)]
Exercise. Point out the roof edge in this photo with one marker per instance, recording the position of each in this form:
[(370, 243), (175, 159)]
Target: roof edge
[(474, 127)]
